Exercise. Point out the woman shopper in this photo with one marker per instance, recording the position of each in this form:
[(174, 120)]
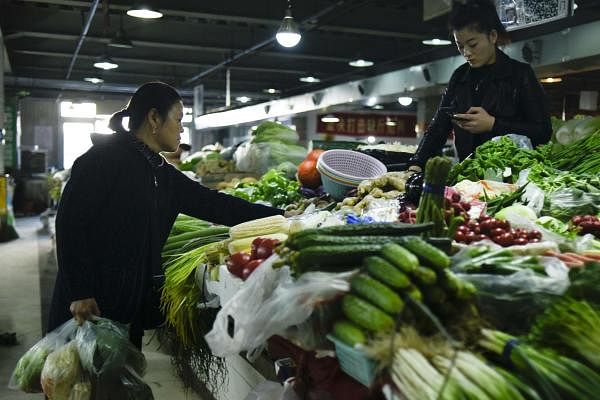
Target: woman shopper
[(490, 95), (117, 210)]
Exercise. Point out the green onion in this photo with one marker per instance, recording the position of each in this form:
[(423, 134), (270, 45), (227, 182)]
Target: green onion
[(571, 327)]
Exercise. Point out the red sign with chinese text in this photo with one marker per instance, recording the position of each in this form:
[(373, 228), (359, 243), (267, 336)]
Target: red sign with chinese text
[(369, 125)]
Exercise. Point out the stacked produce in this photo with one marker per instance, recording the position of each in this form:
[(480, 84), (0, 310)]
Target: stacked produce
[(189, 233), (388, 186), (273, 187), (431, 206)]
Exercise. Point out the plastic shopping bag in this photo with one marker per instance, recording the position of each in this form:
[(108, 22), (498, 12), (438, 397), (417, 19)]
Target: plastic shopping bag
[(61, 371), (27, 373), (270, 301), (269, 390), (104, 347)]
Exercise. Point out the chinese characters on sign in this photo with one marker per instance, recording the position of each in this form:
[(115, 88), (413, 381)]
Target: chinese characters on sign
[(369, 125)]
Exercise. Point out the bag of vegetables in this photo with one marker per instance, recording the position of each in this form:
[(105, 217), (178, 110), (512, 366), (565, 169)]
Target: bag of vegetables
[(27, 373), (61, 371)]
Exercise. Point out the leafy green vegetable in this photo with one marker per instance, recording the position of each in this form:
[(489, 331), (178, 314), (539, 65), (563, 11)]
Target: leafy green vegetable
[(572, 328), (273, 132), (26, 376), (272, 187), (565, 203), (518, 209), (495, 156), (585, 283)]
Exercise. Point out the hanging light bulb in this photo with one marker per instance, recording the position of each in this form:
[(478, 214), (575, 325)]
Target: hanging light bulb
[(105, 62), (288, 34)]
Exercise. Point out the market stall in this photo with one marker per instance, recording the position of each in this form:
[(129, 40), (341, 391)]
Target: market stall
[(453, 284), (471, 280)]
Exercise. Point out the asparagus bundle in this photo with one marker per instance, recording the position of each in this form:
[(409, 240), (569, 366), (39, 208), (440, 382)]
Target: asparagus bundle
[(431, 206)]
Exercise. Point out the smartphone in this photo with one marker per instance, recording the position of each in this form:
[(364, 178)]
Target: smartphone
[(448, 110)]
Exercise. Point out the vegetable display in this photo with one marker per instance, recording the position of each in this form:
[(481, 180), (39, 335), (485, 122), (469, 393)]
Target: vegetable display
[(431, 205), (273, 187)]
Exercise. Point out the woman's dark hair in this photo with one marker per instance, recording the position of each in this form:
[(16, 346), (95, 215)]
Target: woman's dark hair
[(157, 95), (479, 15)]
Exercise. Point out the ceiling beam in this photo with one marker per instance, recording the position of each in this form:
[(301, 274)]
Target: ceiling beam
[(143, 43), (116, 74), (163, 62), (242, 19)]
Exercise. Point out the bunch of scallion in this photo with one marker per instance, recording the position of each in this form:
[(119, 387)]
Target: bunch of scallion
[(199, 234), (554, 377), (459, 376), (430, 368), (181, 294), (570, 327)]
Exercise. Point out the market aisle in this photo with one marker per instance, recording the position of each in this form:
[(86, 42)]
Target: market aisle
[(28, 268)]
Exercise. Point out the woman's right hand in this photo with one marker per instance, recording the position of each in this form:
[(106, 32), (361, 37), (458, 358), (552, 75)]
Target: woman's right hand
[(83, 309)]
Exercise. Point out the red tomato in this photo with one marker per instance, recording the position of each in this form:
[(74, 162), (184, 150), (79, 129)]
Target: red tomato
[(497, 232), (459, 236), (314, 155), (250, 267), (235, 269), (240, 258), (504, 240), (485, 225), (308, 175), (520, 241)]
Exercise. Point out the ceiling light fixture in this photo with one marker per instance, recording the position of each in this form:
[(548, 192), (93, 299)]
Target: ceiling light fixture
[(272, 91), (144, 11), (371, 139), (436, 42), (551, 80), (288, 34), (105, 62), (371, 101), (120, 39), (330, 118), (377, 107), (390, 122), (405, 101), (243, 99), (309, 79), (360, 63), (94, 80)]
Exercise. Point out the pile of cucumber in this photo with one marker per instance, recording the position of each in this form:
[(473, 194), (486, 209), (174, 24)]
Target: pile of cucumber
[(406, 271), (342, 248)]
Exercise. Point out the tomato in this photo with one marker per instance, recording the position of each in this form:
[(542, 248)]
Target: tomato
[(308, 175), (470, 237), (455, 197), (459, 236), (503, 225), (254, 247), (240, 258), (520, 241), (504, 240), (250, 267), (485, 225), (481, 237), (497, 232), (315, 154)]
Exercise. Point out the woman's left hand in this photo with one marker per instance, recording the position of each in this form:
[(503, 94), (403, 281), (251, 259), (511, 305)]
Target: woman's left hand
[(475, 120)]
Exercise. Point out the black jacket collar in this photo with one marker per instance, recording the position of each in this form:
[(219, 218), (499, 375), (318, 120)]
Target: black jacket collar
[(154, 159), (502, 68)]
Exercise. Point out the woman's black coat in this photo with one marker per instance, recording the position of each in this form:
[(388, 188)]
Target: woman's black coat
[(114, 216), (511, 93)]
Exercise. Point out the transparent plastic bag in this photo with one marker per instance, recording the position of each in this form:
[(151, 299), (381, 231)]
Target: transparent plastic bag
[(270, 301), (82, 389), (522, 296), (124, 385), (568, 202), (533, 197), (522, 142), (61, 371), (26, 376), (104, 348)]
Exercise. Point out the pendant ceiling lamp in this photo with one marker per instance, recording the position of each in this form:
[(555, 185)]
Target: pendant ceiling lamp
[(145, 11), (120, 39), (288, 34)]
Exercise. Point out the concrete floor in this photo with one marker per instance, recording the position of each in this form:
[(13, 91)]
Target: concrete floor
[(27, 270)]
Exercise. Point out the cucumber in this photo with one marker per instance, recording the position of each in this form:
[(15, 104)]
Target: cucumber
[(318, 239), (335, 258), (376, 293), (386, 272), (414, 293), (349, 333), (429, 255), (400, 257), (384, 229), (424, 276), (366, 315)]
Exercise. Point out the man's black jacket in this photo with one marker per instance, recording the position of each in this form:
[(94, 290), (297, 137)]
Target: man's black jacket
[(511, 93), (114, 216)]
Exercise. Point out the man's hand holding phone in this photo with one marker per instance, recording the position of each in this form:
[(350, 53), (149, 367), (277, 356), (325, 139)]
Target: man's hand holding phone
[(475, 120)]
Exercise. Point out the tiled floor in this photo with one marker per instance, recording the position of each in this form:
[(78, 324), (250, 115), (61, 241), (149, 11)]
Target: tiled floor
[(26, 279)]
